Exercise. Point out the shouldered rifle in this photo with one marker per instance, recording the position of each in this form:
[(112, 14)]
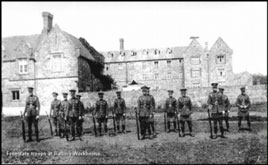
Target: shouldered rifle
[(210, 126), (50, 125), (94, 124), (137, 124), (178, 123), (23, 126)]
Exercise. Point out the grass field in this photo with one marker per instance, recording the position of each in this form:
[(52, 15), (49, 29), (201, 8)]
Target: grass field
[(238, 147)]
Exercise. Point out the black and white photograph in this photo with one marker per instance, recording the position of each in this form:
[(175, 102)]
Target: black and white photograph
[(134, 82)]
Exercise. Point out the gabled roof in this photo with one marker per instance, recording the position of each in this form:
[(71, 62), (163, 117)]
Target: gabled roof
[(83, 51), (220, 45), (144, 54), (11, 44)]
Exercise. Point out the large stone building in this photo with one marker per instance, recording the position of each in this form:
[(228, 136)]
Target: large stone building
[(174, 67), (51, 61)]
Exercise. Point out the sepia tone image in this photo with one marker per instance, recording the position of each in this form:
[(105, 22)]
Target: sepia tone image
[(134, 82)]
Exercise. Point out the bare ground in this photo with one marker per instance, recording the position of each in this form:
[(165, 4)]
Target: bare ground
[(238, 147)]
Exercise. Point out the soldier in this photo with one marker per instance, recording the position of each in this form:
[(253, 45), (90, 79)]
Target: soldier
[(120, 111), (32, 108), (73, 112), (171, 110), (64, 106), (81, 116), (185, 110), (151, 120), (243, 104), (101, 113), (145, 111), (54, 112), (215, 103), (226, 108)]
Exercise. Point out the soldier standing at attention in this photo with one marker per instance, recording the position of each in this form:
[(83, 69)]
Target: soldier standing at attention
[(64, 106), (120, 112), (215, 103), (151, 120), (73, 112), (226, 108), (171, 110), (32, 108), (81, 116), (54, 112), (185, 110), (243, 104), (101, 113), (145, 111)]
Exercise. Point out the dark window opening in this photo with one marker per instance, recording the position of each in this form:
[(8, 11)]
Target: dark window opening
[(15, 95)]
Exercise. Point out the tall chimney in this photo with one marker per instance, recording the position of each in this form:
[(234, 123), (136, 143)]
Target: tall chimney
[(121, 40), (47, 21)]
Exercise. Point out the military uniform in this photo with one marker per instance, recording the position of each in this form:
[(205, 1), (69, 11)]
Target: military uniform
[(145, 110), (243, 103), (119, 110), (226, 107), (32, 108), (171, 110), (101, 111), (151, 119), (64, 106), (185, 110), (73, 113), (81, 114), (55, 108), (215, 102)]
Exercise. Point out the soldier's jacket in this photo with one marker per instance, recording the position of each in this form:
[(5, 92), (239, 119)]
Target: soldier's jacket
[(185, 106), (32, 106), (226, 103), (152, 97), (145, 106), (82, 108), (64, 106), (119, 106), (101, 108), (74, 108), (243, 100), (215, 102), (171, 105), (55, 107)]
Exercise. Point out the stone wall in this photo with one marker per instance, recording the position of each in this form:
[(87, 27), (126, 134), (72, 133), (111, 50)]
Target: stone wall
[(199, 96)]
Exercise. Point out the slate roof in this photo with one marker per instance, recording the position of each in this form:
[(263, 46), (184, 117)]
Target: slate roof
[(144, 54), (10, 45)]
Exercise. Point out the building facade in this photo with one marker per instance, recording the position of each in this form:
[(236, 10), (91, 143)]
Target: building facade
[(173, 67), (51, 61)]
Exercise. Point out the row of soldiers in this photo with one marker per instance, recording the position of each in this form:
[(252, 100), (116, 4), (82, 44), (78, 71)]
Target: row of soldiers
[(72, 111)]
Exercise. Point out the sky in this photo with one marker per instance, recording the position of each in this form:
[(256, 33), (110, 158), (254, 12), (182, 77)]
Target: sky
[(242, 25)]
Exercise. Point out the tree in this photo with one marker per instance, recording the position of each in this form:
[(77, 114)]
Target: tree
[(259, 79)]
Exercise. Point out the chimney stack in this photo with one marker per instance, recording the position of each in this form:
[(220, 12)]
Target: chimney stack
[(194, 37), (121, 40), (47, 21)]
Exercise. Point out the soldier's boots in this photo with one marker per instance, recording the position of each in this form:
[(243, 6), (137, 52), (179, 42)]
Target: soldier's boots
[(29, 140), (106, 130), (99, 131), (118, 129), (168, 126), (124, 129), (175, 126), (37, 138)]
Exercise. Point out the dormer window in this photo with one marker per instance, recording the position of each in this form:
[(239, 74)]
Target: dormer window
[(111, 54), (122, 53), (23, 66), (145, 52), (220, 59), (156, 51), (169, 51), (133, 53)]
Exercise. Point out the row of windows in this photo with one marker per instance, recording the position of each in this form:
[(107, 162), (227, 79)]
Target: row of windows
[(197, 73), (144, 52), (155, 76), (220, 59)]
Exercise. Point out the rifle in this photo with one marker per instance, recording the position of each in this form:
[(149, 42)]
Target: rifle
[(178, 122), (50, 125), (137, 123), (114, 121), (165, 121), (94, 123), (210, 126), (23, 126)]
